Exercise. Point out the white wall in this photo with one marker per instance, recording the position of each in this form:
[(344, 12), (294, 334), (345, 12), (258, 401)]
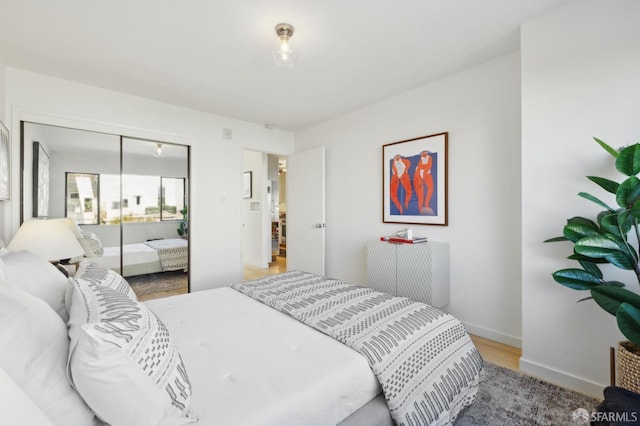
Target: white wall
[(216, 163), (480, 108), (5, 207), (3, 115), (580, 68)]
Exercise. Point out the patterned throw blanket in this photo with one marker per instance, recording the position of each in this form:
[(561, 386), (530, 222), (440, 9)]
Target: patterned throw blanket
[(424, 359), (173, 253)]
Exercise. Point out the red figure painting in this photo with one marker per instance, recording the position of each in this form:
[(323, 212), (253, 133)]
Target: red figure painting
[(423, 178), (400, 176)]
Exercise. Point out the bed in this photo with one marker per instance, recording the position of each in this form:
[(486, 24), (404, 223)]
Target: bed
[(169, 254), (290, 349)]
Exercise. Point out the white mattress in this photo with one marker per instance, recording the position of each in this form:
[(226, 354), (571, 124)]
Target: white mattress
[(252, 365), (134, 254)]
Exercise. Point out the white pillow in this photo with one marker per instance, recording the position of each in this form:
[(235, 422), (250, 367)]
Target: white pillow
[(91, 244), (122, 360), (95, 273), (34, 353), (38, 277)]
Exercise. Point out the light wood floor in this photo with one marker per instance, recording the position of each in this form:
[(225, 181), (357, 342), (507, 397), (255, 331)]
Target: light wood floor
[(275, 267), (497, 353)]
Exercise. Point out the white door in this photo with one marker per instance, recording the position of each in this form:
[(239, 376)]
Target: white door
[(305, 211)]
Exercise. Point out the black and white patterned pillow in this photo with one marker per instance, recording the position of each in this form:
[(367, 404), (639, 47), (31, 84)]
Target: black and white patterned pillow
[(94, 273), (91, 244), (123, 362)]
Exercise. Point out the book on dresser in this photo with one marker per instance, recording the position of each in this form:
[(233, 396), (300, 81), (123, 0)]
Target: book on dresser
[(400, 240)]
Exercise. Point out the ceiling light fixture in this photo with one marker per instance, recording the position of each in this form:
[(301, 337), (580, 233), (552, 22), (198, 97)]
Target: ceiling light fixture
[(159, 151), (284, 56)]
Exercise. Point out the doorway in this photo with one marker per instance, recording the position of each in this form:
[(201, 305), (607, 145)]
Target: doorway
[(264, 226)]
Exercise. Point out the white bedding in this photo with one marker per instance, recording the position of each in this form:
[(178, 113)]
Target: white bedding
[(134, 254), (280, 371)]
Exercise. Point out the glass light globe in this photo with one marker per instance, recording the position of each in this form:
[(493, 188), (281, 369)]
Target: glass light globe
[(285, 56)]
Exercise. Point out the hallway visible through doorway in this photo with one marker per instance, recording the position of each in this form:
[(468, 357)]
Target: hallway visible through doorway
[(275, 267)]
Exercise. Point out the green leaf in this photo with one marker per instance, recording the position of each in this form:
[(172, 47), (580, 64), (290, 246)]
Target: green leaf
[(598, 246), (607, 148), (628, 192), (556, 239), (623, 260), (614, 283), (635, 210), (591, 267), (576, 279), (628, 319), (579, 257), (606, 184), (610, 298), (618, 224), (625, 220), (578, 228), (628, 161), (594, 199), (609, 223)]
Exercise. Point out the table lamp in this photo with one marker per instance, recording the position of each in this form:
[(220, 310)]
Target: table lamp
[(51, 239)]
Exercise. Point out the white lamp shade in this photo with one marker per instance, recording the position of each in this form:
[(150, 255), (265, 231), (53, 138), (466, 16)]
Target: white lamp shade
[(50, 239)]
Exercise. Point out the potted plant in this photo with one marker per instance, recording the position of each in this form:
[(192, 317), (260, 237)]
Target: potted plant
[(183, 225), (605, 241)]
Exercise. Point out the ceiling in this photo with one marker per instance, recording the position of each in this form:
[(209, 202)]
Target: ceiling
[(215, 56), (65, 141)]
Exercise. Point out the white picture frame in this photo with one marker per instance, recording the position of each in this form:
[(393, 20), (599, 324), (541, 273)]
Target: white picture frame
[(247, 185)]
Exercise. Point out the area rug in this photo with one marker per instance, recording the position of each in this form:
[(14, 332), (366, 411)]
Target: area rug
[(508, 397), (161, 283)]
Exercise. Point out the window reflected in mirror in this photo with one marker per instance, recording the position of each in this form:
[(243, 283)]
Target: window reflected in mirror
[(83, 199), (94, 199)]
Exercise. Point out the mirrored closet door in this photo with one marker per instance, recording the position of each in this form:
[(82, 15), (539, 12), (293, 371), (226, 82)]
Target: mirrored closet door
[(154, 208), (129, 196)]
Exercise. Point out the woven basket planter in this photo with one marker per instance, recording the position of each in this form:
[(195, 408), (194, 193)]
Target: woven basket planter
[(628, 366)]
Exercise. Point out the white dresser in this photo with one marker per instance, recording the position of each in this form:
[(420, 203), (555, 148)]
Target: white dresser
[(417, 271)]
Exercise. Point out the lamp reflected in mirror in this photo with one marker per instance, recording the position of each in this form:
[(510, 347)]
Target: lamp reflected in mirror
[(159, 152)]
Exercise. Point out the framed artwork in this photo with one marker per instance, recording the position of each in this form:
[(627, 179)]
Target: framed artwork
[(4, 163), (414, 180), (40, 181), (247, 185)]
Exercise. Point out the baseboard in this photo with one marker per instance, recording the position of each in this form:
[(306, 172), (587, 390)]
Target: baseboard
[(493, 335), (562, 379)]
